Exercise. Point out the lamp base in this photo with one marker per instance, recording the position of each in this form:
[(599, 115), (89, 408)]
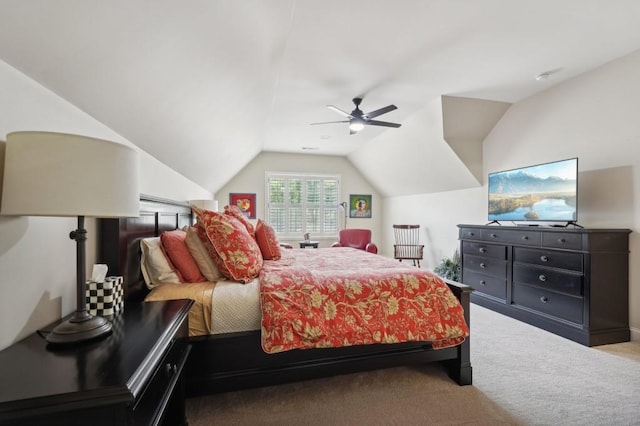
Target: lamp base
[(79, 328)]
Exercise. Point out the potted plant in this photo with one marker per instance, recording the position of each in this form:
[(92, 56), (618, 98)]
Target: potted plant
[(449, 268)]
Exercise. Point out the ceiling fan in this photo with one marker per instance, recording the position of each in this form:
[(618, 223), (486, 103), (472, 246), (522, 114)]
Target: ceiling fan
[(358, 119)]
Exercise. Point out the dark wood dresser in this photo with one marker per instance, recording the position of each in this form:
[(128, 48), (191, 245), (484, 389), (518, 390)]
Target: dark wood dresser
[(570, 281), (132, 377)]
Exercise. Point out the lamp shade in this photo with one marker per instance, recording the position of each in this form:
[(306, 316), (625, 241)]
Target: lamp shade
[(211, 205), (58, 174)]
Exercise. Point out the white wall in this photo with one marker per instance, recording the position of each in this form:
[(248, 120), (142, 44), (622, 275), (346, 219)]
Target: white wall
[(435, 213), (251, 179), (593, 117), (37, 257)]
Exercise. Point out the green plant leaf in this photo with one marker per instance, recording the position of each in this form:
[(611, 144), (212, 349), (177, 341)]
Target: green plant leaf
[(449, 267)]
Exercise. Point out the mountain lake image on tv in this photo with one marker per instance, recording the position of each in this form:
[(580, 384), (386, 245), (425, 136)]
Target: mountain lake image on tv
[(544, 192)]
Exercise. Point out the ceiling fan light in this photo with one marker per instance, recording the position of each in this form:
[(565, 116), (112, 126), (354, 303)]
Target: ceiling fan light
[(356, 126)]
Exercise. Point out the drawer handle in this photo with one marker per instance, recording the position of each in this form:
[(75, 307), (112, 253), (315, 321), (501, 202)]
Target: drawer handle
[(525, 237), (483, 282), (483, 265), (542, 278), (471, 234), (482, 250), (493, 236), (562, 240), (170, 369), (544, 258), (544, 299)]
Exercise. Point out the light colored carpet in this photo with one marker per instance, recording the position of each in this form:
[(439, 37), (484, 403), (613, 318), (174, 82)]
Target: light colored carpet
[(548, 380), (522, 375)]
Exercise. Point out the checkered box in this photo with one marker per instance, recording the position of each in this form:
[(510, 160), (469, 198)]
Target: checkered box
[(105, 299)]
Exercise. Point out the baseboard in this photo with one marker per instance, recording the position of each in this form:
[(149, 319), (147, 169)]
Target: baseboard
[(635, 334)]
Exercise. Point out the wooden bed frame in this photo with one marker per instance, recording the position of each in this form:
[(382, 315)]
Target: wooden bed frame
[(234, 361)]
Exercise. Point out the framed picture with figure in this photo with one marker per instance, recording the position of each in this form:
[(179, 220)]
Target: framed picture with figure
[(359, 205), (245, 202)]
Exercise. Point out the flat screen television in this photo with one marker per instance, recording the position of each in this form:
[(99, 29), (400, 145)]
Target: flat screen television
[(544, 192)]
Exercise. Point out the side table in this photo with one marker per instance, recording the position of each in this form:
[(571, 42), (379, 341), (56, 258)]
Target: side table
[(305, 244), (132, 377)]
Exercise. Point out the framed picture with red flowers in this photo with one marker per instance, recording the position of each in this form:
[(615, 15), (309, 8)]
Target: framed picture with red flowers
[(245, 202)]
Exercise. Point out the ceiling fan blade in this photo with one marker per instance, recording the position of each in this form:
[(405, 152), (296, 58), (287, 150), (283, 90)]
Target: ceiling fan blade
[(380, 111), (339, 111), (381, 123), (357, 117), (330, 122)]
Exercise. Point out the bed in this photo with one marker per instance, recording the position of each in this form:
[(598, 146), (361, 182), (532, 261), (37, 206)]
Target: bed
[(236, 360)]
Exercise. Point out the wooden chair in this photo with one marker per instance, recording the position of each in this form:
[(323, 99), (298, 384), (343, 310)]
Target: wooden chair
[(407, 244)]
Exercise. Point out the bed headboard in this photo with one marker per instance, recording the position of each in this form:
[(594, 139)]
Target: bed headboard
[(119, 239)]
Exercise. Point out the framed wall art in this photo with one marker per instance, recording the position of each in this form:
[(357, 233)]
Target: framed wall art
[(245, 202), (359, 205)]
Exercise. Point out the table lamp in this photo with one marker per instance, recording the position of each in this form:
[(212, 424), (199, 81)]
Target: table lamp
[(58, 174), (211, 205)]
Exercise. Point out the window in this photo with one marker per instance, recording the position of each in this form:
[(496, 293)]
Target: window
[(301, 203)]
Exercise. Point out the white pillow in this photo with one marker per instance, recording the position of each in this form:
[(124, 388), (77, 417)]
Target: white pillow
[(199, 253), (155, 267)]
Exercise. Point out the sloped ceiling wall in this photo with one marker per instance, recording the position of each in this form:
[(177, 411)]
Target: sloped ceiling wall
[(204, 86), (465, 123), (438, 149)]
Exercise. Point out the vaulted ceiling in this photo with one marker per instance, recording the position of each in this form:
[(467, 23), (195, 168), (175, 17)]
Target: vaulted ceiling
[(206, 85)]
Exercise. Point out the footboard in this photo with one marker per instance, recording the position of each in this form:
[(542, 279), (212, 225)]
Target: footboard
[(235, 361), (460, 367)]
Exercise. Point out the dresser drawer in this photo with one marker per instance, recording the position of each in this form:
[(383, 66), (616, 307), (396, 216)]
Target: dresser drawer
[(470, 234), (486, 266), (548, 302), (512, 236), (550, 258), (493, 286), (565, 240), (551, 279), (158, 391), (484, 250)]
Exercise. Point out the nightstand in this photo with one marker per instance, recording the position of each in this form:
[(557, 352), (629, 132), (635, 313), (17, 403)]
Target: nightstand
[(132, 377)]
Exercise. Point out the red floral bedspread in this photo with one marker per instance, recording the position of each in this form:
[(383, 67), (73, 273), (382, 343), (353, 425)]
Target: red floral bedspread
[(320, 298)]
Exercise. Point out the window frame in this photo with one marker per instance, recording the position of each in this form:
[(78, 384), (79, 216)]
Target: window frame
[(304, 205)]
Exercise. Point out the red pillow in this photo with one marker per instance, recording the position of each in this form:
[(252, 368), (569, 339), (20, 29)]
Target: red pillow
[(176, 249), (267, 241), (237, 254), (234, 211)]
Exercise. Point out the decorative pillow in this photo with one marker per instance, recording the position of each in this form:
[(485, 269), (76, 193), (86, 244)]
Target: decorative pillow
[(237, 254), (267, 241), (202, 235), (176, 249), (155, 266), (211, 251), (201, 255), (234, 211)]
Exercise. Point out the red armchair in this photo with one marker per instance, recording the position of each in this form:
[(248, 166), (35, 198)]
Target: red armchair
[(356, 238)]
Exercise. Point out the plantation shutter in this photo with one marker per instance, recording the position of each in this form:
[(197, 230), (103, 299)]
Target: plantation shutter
[(297, 204)]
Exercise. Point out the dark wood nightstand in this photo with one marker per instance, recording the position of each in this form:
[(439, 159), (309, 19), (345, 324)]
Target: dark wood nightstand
[(132, 377)]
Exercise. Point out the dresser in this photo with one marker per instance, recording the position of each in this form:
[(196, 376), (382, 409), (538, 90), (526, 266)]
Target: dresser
[(570, 281), (132, 377)]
